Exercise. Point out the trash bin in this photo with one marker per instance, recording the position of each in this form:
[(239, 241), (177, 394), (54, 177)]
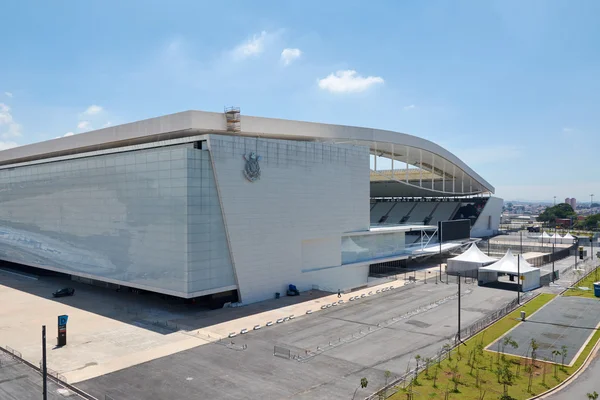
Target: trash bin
[(597, 289), (277, 295)]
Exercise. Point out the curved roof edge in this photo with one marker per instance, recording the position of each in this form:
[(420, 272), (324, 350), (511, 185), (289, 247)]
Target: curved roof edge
[(190, 123)]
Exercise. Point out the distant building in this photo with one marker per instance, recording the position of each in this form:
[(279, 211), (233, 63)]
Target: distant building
[(571, 201)]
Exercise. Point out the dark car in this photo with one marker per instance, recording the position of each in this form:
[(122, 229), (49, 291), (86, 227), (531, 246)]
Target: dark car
[(64, 292)]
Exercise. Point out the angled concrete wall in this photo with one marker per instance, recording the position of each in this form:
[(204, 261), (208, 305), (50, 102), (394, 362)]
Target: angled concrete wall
[(308, 193)]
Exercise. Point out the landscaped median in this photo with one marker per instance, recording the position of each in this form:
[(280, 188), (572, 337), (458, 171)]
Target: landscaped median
[(471, 372), (587, 282)]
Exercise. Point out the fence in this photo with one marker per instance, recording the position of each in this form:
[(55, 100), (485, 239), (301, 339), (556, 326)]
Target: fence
[(53, 373), (283, 352), (393, 386), (13, 352), (303, 355)]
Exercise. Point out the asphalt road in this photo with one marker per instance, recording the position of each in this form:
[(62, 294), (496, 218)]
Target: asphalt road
[(217, 371), (585, 383)]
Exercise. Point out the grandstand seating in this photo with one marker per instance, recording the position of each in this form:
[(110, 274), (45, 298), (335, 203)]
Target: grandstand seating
[(379, 210), (422, 210), (444, 212), (400, 210), (425, 211)]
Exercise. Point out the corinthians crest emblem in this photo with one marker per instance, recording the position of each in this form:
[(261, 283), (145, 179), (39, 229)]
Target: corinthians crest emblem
[(252, 169)]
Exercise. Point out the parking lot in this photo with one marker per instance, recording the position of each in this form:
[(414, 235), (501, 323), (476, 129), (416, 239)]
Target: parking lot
[(566, 321)]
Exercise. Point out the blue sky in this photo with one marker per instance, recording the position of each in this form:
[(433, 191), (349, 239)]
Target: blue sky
[(511, 87)]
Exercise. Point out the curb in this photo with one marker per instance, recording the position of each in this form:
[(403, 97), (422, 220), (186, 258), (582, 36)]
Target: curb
[(576, 374)]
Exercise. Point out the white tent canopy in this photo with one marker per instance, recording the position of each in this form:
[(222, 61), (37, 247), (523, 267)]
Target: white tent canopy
[(545, 235), (508, 264), (568, 236), (474, 254), (471, 260), (556, 236), (512, 265)]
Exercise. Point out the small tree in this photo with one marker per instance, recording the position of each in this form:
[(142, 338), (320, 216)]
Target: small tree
[(555, 353), (563, 354), (448, 349), (417, 359), (508, 341), (592, 396), (534, 346), (505, 377), (436, 369), (427, 364), (387, 375), (363, 384), (455, 377), (544, 371)]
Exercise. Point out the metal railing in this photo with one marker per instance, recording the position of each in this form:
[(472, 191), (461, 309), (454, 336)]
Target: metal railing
[(407, 378), (53, 373)]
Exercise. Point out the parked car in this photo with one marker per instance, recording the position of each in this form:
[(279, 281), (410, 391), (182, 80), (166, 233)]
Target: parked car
[(64, 292)]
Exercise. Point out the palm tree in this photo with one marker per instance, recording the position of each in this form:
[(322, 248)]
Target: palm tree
[(563, 353), (555, 353), (387, 375), (363, 384)]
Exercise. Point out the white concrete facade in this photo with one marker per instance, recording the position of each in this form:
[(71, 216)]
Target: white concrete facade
[(488, 222), (164, 205), (292, 218)]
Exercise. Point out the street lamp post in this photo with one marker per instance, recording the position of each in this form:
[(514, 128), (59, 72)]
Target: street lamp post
[(576, 242), (554, 200), (553, 250), (519, 270)]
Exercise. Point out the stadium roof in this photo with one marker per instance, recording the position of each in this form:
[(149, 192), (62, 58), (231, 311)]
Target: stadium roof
[(448, 175)]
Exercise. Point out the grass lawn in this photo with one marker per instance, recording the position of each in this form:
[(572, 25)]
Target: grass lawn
[(474, 379), (587, 282)]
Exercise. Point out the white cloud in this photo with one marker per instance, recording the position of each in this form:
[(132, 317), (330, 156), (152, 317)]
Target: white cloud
[(251, 47), (13, 129), (289, 55), (107, 124), (68, 134), (348, 82), (406, 108), (84, 125), (7, 145), (93, 110), (8, 94)]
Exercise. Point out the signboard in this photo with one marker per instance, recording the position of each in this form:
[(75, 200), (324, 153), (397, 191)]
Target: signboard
[(454, 230), (522, 277), (62, 330)]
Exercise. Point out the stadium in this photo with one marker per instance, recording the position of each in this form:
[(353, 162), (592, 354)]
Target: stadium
[(228, 207)]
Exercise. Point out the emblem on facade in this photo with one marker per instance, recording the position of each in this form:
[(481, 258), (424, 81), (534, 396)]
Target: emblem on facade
[(252, 169)]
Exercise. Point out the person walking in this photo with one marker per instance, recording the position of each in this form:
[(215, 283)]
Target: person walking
[(339, 294)]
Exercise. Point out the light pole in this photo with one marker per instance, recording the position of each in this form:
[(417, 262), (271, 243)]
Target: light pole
[(44, 369), (591, 202), (553, 250), (519, 270), (458, 333), (576, 242), (554, 200)]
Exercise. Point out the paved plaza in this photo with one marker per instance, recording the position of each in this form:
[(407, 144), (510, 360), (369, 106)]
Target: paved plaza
[(565, 321)]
